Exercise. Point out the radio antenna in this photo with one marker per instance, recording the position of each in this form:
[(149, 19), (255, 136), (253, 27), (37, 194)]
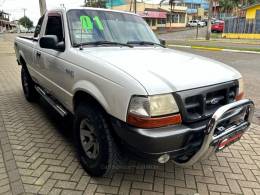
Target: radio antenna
[(81, 45)]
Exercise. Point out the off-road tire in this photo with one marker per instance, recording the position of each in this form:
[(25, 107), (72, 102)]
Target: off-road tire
[(108, 159), (28, 85)]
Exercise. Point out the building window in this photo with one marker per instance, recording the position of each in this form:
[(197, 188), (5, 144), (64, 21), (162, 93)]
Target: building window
[(182, 18), (175, 18), (188, 5), (168, 18), (153, 22), (164, 21), (193, 5), (161, 21), (148, 21), (257, 15)]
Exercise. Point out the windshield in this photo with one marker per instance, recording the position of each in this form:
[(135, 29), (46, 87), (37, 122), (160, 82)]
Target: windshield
[(96, 25)]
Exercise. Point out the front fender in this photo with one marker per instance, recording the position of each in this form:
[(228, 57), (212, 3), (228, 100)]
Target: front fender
[(92, 90)]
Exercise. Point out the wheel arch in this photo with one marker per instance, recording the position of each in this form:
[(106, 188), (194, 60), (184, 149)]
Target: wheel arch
[(21, 59), (86, 91)]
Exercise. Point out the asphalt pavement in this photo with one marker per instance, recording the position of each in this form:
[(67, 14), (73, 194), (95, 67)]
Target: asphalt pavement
[(189, 33), (188, 37)]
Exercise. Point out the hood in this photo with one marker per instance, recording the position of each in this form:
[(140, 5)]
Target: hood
[(162, 70)]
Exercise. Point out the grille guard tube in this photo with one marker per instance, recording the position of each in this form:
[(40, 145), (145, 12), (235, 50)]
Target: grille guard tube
[(223, 113)]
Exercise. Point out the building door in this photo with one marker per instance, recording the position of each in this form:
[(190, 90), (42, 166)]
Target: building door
[(257, 27)]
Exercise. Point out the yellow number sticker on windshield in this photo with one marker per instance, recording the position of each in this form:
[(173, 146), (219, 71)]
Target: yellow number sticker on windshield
[(99, 23), (87, 24)]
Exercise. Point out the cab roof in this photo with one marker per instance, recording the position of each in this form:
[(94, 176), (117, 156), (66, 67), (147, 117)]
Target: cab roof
[(90, 8)]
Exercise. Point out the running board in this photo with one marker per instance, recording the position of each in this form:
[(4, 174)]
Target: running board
[(52, 102)]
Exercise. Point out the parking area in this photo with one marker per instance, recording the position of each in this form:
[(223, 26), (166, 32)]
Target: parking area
[(37, 155), (186, 34)]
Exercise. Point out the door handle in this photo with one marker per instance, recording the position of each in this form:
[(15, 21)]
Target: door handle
[(38, 54)]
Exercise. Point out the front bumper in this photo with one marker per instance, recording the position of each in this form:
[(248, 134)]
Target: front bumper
[(227, 122), (175, 140), (189, 143)]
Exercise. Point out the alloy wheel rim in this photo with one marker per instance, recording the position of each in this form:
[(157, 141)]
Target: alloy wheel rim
[(89, 140)]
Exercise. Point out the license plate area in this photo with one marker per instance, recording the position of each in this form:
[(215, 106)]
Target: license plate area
[(229, 140), (230, 128)]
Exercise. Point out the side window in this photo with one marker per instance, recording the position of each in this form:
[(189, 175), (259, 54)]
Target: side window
[(38, 27), (54, 26)]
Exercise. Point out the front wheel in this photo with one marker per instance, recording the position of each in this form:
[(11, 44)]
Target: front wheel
[(97, 150), (28, 85)]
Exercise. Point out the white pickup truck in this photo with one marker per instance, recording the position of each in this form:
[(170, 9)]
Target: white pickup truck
[(127, 92)]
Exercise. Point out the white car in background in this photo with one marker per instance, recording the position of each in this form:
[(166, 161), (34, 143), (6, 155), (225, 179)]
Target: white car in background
[(195, 23)]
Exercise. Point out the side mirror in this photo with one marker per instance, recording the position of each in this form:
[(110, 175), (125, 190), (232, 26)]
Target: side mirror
[(163, 42), (51, 42)]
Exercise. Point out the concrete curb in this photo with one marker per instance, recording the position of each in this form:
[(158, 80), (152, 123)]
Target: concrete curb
[(224, 41), (213, 49)]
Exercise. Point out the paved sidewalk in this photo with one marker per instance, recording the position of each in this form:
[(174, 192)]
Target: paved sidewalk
[(37, 155)]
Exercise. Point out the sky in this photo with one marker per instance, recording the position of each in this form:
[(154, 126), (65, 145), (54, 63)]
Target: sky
[(15, 7)]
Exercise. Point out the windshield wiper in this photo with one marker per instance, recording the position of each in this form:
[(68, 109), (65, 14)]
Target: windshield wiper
[(144, 43), (96, 43)]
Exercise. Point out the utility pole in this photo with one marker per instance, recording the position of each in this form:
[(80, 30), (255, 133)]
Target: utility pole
[(24, 10), (135, 6), (171, 4), (42, 4), (209, 20), (130, 8)]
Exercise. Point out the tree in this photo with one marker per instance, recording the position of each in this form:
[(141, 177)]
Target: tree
[(26, 22), (227, 6), (208, 33), (250, 2)]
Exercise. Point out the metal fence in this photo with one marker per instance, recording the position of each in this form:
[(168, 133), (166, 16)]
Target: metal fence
[(242, 25)]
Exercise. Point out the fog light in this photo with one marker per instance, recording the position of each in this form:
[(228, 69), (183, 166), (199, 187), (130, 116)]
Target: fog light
[(164, 158)]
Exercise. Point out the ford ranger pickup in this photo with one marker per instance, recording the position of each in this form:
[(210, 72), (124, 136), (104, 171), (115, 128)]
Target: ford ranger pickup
[(127, 91)]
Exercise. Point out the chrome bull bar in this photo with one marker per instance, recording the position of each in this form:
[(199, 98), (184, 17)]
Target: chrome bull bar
[(225, 113)]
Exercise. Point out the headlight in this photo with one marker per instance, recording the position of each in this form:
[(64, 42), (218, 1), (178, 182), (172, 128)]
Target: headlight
[(139, 106), (153, 111), (240, 93), (153, 106)]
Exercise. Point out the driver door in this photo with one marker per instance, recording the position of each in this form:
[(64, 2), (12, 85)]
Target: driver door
[(51, 63)]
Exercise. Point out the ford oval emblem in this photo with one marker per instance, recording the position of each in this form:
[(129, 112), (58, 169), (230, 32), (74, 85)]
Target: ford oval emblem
[(214, 101)]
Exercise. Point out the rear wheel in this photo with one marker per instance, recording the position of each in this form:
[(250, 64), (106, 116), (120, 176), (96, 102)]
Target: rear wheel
[(97, 150), (30, 93)]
